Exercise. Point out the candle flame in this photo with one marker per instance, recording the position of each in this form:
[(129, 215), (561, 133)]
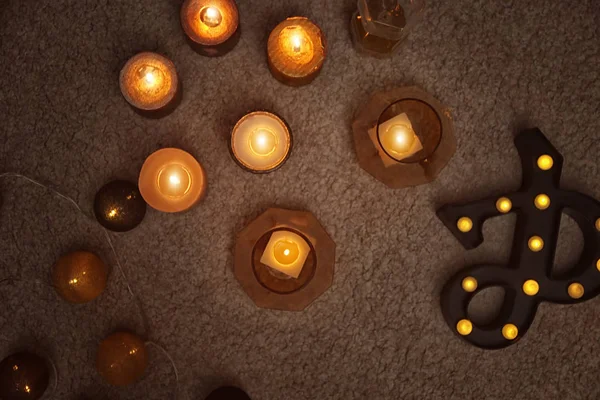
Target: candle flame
[(174, 179), (297, 43)]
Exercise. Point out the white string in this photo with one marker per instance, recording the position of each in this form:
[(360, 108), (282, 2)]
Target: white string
[(55, 375), (74, 203), (119, 266), (172, 363)]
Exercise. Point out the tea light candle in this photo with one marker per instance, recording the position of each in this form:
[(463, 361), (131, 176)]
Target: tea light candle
[(211, 26), (150, 84), (286, 252), (171, 180), (261, 142), (398, 139), (296, 50)]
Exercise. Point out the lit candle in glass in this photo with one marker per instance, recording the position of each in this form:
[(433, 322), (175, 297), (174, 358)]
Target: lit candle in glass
[(286, 252), (261, 142), (296, 50), (150, 84), (398, 139), (171, 180), (211, 26)]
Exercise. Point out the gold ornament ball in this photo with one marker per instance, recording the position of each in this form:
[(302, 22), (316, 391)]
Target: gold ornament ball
[(23, 376), (122, 359), (79, 277), (536, 244)]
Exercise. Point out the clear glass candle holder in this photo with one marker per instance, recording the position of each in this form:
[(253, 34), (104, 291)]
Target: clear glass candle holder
[(379, 26)]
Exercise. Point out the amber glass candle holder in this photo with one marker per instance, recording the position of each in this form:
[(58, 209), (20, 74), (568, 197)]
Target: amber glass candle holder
[(150, 84), (212, 27), (284, 259), (261, 142), (404, 137), (172, 180), (296, 51), (379, 26)]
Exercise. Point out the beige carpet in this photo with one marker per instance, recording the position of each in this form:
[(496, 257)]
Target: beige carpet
[(378, 332)]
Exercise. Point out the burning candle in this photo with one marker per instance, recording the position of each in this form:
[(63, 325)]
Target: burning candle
[(296, 50), (286, 252), (211, 26), (150, 84), (398, 139), (171, 180), (261, 142)]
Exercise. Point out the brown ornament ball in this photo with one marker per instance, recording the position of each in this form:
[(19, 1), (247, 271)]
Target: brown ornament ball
[(79, 277), (228, 393), (23, 376), (122, 359), (119, 206)]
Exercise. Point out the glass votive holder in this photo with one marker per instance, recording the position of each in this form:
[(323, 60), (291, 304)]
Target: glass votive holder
[(379, 26)]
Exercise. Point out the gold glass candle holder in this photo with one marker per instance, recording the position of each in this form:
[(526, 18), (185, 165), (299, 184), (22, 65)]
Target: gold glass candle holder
[(150, 84), (284, 259), (296, 51), (261, 142), (171, 180), (379, 27), (211, 26), (404, 137)]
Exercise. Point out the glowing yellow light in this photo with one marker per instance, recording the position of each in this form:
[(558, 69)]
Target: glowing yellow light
[(211, 16), (469, 284), (150, 78), (545, 162), (598, 224), (132, 351), (510, 332), (27, 389), (598, 264), (464, 327), (113, 213), (576, 290), (504, 205), (531, 287), (536, 244), (465, 224), (73, 281), (542, 201), (15, 367), (296, 43), (286, 252), (262, 142), (174, 181)]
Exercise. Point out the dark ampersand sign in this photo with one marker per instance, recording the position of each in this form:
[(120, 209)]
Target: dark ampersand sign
[(528, 279)]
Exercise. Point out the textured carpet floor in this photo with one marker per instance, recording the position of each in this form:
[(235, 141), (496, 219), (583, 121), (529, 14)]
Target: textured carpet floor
[(378, 332)]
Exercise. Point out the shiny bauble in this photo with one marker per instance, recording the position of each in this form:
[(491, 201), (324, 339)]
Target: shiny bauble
[(122, 359), (119, 206), (23, 376), (79, 277), (228, 393)]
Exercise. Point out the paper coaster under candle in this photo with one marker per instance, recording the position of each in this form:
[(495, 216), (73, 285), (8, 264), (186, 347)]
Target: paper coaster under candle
[(172, 180), (296, 51), (150, 84), (266, 270), (211, 26), (261, 142)]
